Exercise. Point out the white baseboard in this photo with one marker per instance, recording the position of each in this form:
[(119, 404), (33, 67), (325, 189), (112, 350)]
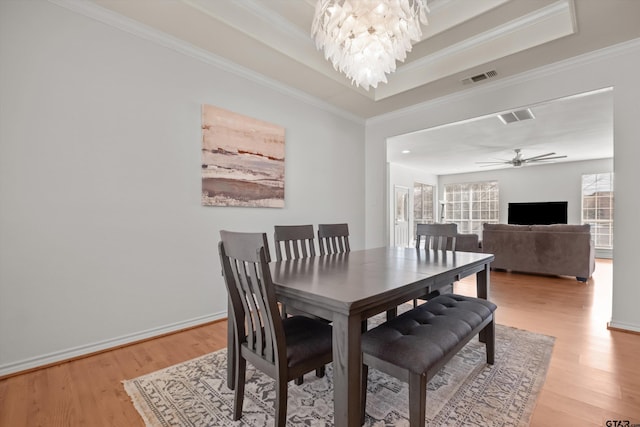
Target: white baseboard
[(62, 355), (623, 326)]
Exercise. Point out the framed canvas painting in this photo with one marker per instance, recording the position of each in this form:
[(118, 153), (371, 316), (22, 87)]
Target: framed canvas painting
[(242, 160)]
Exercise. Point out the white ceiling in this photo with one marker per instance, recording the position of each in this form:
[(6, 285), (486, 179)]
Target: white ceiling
[(464, 38), (579, 127)]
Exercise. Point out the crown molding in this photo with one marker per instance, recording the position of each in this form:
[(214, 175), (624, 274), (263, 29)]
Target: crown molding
[(105, 16), (541, 26), (258, 11), (92, 10), (624, 48), (252, 18)]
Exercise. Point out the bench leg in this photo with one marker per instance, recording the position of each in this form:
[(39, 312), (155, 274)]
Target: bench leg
[(482, 336), (488, 337), (417, 398)]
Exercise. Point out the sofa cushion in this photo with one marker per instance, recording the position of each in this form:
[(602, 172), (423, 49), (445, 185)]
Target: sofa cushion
[(506, 227), (563, 228)]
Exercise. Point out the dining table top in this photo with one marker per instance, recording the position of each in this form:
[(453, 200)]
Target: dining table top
[(352, 281)]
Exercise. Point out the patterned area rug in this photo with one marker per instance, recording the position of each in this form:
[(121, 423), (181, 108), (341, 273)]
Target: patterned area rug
[(466, 392)]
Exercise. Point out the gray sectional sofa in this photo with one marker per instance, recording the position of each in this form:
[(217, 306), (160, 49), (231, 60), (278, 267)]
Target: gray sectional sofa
[(557, 249)]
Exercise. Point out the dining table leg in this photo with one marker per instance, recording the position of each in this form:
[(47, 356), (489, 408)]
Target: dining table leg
[(482, 291), (483, 282), (347, 370)]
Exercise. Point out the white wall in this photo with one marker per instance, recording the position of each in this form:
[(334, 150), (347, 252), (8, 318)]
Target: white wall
[(538, 183), (102, 236), (617, 67)]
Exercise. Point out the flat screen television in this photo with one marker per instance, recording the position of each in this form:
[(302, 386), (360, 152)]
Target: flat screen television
[(537, 213)]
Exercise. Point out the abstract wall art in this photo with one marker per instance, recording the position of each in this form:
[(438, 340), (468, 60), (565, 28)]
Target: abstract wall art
[(242, 160)]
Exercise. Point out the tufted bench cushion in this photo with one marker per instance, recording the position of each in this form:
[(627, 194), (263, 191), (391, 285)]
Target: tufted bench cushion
[(419, 338), (415, 345)]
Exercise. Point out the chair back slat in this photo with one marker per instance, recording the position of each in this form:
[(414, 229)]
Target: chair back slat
[(264, 330), (437, 236), (253, 302), (249, 307), (296, 241), (333, 238)]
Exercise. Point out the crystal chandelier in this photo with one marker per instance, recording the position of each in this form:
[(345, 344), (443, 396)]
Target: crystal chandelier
[(364, 38)]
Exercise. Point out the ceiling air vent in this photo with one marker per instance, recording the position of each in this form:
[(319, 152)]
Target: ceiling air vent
[(516, 116), (480, 77)]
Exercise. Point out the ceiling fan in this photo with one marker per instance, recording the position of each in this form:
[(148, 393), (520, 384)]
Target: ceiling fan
[(520, 160)]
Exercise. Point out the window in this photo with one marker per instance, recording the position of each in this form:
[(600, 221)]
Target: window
[(597, 208), (471, 205), (422, 204)]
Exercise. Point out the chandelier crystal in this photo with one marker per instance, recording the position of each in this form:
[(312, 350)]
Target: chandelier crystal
[(364, 38)]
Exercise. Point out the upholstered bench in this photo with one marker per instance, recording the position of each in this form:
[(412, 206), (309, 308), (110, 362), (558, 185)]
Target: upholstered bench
[(415, 345)]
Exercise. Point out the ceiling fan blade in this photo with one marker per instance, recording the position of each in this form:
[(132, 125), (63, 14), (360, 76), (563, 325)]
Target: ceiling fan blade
[(538, 157), (497, 161), (546, 158)]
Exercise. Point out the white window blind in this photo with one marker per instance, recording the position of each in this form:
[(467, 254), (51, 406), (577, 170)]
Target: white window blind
[(422, 204), (597, 208), (472, 204)]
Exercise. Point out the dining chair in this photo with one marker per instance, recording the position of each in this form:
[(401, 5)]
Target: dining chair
[(437, 236), (284, 349), (441, 237), (333, 238), (294, 241)]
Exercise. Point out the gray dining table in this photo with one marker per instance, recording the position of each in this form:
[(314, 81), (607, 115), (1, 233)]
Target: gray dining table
[(350, 287)]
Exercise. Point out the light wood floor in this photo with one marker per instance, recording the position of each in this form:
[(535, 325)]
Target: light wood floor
[(594, 374)]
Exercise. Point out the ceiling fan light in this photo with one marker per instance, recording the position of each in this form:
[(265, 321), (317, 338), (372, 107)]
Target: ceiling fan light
[(364, 38)]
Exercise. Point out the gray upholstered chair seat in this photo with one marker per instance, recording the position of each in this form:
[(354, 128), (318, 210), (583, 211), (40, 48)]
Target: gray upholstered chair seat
[(306, 338), (436, 327)]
